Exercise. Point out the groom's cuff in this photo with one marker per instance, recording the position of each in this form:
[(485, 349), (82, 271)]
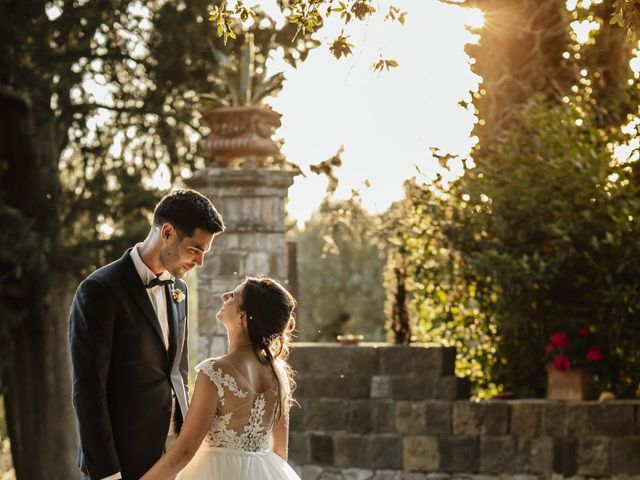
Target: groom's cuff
[(115, 476)]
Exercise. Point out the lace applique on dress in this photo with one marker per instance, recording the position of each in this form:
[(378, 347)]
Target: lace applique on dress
[(249, 436), (253, 439), (220, 380), (254, 433)]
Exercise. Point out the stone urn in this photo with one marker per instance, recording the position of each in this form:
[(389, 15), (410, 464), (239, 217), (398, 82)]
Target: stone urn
[(240, 136), (573, 384)]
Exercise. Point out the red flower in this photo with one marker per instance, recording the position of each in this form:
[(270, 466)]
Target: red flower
[(562, 363), (548, 348), (594, 354), (559, 340), (584, 331)]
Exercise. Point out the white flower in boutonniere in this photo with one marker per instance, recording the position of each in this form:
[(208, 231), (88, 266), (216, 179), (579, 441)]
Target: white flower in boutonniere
[(178, 295)]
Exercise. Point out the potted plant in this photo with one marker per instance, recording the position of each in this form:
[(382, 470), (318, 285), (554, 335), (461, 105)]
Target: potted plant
[(241, 126), (570, 362)]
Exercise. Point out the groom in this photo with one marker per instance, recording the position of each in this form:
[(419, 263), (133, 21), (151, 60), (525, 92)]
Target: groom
[(128, 338)]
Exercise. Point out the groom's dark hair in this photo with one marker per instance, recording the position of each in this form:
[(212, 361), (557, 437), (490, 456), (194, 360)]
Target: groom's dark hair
[(187, 210)]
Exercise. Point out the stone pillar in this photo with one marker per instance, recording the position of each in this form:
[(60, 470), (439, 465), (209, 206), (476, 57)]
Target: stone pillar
[(252, 204)]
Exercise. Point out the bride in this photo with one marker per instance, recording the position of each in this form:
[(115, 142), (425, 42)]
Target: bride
[(237, 427)]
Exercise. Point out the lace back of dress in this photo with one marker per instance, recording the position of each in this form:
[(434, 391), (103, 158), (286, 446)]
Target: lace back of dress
[(243, 418)]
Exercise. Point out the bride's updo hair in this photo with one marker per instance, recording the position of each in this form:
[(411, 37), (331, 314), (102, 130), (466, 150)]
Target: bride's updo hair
[(269, 308)]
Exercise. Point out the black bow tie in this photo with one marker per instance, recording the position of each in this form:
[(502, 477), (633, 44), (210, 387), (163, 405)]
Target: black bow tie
[(156, 281)]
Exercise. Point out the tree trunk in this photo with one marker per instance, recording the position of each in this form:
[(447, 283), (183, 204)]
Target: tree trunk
[(39, 413), (519, 56)]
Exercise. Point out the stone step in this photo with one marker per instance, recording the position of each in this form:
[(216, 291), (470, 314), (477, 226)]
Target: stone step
[(370, 359), (413, 387)]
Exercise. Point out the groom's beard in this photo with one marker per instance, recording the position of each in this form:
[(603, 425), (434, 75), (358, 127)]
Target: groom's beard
[(180, 272)]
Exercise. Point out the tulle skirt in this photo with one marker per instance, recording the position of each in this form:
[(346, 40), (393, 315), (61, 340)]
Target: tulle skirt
[(216, 463)]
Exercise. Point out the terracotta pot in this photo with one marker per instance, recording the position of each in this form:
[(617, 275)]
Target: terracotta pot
[(240, 136), (573, 384)]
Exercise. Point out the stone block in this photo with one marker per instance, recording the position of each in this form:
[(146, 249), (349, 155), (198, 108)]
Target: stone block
[(526, 418), (385, 451), (523, 454), (326, 415), (333, 386), (565, 456), (419, 359), (410, 417), (421, 453), (594, 456), (229, 264), (396, 359), (299, 448), (495, 419), (612, 419), (310, 386), (459, 454), (553, 419), (438, 417), (218, 346), (348, 386), (321, 449), (320, 359), (435, 361), (468, 418), (329, 359), (369, 416), (497, 454), (384, 416), (310, 472), (625, 455), (417, 476), (360, 416), (350, 450), (363, 360), (386, 475), (381, 386), (257, 262), (296, 417), (452, 388), (578, 420), (541, 456), (355, 474), (402, 387), (299, 359)]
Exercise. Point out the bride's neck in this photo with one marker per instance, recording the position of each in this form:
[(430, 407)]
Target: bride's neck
[(238, 342)]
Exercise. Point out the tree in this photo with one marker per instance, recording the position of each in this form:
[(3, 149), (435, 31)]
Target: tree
[(340, 270), (550, 245), (549, 109), (75, 174)]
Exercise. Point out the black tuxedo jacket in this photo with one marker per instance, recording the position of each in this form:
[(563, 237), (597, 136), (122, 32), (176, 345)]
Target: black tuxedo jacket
[(122, 373)]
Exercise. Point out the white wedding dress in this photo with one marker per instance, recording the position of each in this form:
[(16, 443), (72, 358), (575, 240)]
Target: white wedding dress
[(236, 446)]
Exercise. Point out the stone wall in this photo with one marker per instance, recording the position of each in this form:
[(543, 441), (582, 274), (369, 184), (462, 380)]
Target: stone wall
[(395, 412)]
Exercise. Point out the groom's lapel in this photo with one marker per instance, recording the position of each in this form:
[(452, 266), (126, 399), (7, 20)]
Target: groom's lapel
[(172, 319), (133, 285)]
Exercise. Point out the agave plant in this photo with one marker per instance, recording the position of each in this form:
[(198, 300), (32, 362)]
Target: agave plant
[(237, 79)]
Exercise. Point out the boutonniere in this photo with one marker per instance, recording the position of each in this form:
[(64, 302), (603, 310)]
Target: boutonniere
[(178, 295)]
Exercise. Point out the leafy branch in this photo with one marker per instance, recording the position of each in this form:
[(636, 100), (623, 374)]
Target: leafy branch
[(307, 15)]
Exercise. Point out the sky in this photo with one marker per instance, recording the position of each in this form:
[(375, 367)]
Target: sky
[(386, 121)]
